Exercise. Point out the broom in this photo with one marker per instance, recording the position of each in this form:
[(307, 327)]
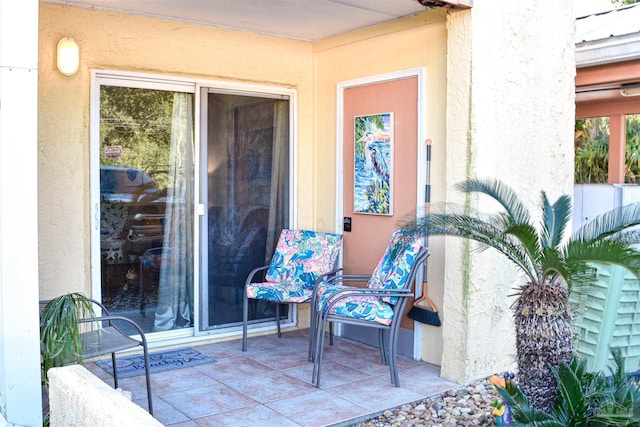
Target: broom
[(425, 313)]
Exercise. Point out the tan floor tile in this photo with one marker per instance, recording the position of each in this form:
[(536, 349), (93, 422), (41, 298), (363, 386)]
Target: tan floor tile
[(319, 408), (256, 416), (204, 401), (164, 412), (178, 379), (283, 358), (270, 387), (233, 368), (376, 394)]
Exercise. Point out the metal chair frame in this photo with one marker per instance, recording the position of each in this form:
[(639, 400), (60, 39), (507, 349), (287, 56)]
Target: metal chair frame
[(105, 339), (388, 349)]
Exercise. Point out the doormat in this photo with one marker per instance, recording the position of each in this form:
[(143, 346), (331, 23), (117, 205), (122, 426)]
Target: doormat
[(161, 361)]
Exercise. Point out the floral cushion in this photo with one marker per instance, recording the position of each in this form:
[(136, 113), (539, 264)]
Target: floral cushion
[(392, 272), (301, 256), (356, 305), (395, 265), (279, 292)]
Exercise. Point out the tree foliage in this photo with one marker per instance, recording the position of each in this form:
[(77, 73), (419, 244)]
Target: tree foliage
[(554, 267), (592, 150), (621, 3), (138, 120)]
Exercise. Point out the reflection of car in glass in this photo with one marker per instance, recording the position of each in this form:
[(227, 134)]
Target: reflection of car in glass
[(126, 185), (132, 208)]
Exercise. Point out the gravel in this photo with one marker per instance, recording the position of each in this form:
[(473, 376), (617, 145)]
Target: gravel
[(464, 406)]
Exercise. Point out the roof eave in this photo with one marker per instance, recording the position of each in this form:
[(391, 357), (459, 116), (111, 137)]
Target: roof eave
[(607, 51)]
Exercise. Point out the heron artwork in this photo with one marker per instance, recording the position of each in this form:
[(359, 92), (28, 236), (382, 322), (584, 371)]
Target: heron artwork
[(372, 178)]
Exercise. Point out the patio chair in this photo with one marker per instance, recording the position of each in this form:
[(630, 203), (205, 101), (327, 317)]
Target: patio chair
[(103, 337), (301, 257), (378, 305)]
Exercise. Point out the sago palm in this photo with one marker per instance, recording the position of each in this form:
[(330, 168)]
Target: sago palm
[(552, 265)]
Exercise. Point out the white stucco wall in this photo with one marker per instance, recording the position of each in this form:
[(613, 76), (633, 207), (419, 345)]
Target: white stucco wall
[(510, 115), (78, 398)]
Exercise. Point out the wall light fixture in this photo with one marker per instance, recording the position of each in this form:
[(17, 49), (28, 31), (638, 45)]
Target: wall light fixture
[(630, 90), (68, 60)]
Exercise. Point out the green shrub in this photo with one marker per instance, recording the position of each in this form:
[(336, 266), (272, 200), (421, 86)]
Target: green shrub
[(583, 398)]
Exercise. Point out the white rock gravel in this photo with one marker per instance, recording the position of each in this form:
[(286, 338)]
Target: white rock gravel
[(464, 406)]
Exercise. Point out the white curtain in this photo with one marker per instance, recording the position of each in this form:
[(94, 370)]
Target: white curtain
[(279, 201), (175, 289)]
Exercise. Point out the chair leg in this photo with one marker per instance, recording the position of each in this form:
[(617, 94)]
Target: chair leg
[(383, 346), (393, 358), (314, 325), (278, 319), (330, 333), (148, 375), (317, 360), (115, 370), (312, 329), (245, 320)]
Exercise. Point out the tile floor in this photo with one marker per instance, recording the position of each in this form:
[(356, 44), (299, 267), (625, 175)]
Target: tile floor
[(270, 385)]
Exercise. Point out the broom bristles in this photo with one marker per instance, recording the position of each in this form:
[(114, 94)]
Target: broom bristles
[(424, 315)]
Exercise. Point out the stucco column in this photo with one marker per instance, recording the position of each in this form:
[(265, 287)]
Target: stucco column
[(20, 395), (510, 115)]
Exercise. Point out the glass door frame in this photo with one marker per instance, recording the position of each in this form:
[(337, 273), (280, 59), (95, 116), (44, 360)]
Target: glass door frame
[(259, 92), (196, 87)]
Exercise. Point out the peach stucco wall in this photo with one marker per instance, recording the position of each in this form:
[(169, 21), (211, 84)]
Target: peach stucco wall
[(417, 41), (133, 43)]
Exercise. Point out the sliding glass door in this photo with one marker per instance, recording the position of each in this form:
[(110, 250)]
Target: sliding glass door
[(157, 191), (146, 180), (246, 142)]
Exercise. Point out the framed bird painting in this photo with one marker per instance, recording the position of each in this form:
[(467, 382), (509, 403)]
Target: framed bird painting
[(373, 164)]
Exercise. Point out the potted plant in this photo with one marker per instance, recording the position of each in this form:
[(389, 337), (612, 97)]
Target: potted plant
[(551, 263), (60, 331)]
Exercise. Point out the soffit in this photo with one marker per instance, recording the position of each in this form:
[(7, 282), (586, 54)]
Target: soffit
[(307, 20)]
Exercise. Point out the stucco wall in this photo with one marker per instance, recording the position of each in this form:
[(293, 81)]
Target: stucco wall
[(134, 43), (417, 41), (78, 398), (506, 111), (510, 116)]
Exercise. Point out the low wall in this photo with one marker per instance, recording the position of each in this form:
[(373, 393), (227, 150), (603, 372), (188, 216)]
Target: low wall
[(78, 398)]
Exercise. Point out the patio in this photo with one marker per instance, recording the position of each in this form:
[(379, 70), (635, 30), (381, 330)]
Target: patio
[(270, 384)]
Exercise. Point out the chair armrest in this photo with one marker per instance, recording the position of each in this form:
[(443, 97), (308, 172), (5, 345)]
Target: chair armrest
[(111, 319), (336, 280), (253, 273), (351, 278), (99, 304), (346, 292)]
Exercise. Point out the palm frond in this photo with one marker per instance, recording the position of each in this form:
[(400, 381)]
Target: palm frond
[(605, 252), (629, 237), (529, 239), (555, 219), (524, 413), (553, 264), (483, 232), (572, 403), (503, 194), (609, 223)]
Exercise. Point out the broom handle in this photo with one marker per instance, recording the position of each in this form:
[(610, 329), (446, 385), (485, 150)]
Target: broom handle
[(427, 201)]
